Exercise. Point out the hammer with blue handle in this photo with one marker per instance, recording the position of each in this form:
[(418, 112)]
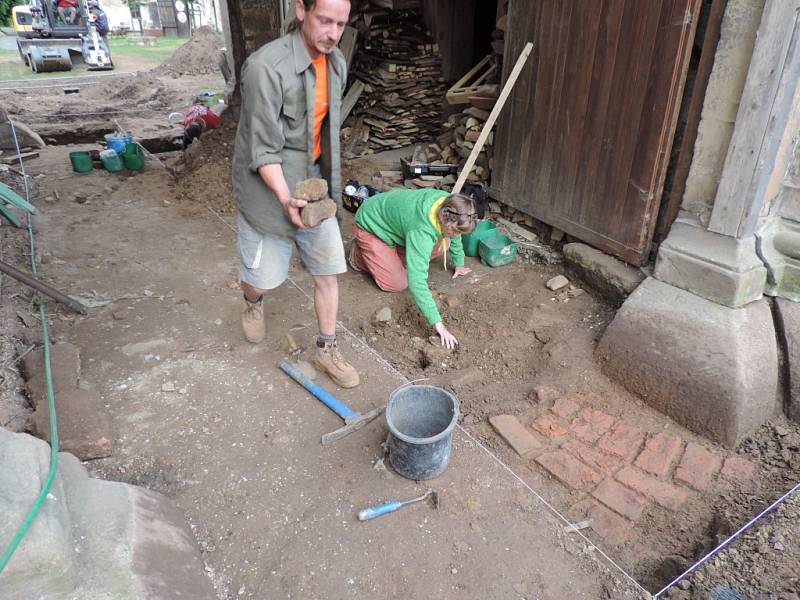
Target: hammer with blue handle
[(388, 507), (353, 420)]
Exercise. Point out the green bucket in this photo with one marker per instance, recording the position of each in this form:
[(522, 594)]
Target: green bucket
[(497, 250), (470, 240), (133, 157), (81, 161), (111, 161)]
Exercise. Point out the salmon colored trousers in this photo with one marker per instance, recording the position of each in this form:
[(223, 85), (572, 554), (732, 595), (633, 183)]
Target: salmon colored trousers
[(385, 264)]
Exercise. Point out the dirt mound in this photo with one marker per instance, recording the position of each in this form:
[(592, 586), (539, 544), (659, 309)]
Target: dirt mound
[(198, 56), (206, 176)]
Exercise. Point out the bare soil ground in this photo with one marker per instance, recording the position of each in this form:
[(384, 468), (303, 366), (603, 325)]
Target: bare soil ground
[(209, 420)]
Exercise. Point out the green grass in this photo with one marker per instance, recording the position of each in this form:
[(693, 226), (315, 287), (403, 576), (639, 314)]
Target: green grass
[(12, 67), (156, 54)]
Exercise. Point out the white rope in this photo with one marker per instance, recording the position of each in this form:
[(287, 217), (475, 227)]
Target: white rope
[(34, 86), (741, 530)]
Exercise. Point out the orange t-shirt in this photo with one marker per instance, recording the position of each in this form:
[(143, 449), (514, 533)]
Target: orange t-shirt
[(320, 101)]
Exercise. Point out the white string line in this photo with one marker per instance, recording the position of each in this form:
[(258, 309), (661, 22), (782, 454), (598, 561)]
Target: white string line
[(489, 452), (742, 529), (465, 432), (67, 79)]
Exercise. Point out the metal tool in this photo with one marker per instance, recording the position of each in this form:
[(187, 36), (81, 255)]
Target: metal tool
[(388, 507), (353, 420)]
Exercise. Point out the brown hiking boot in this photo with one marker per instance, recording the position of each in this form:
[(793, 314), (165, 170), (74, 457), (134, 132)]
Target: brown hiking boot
[(329, 360), (253, 322)]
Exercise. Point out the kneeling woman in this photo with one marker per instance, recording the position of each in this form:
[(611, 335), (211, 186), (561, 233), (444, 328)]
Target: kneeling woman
[(418, 226)]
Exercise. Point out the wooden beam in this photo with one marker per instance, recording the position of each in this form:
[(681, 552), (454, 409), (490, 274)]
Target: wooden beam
[(693, 112), (763, 110), (350, 99), (487, 127), (348, 44)]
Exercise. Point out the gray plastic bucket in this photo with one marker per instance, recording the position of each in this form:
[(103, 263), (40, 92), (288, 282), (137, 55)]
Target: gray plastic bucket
[(421, 419)]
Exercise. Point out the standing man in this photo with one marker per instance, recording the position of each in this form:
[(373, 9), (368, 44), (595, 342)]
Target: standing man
[(289, 131), (99, 18)]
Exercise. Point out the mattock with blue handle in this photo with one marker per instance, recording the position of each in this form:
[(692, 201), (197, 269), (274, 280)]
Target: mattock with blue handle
[(353, 420)]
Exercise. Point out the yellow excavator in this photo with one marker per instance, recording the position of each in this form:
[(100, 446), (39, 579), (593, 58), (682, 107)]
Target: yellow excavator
[(51, 32)]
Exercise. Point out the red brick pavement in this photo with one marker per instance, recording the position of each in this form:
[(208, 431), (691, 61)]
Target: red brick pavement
[(620, 499), (568, 470), (622, 440), (590, 424), (549, 426), (662, 493), (697, 467), (660, 451)]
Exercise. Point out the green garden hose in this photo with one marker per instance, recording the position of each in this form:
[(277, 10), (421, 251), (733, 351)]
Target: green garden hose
[(37, 505)]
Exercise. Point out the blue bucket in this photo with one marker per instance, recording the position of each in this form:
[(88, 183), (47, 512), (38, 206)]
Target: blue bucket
[(421, 420), (117, 141)]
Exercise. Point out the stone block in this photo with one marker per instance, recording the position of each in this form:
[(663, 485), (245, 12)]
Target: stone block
[(568, 470), (315, 213), (697, 467), (591, 424), (610, 276), (660, 451), (65, 367), (602, 463), (556, 283), (662, 493), (549, 426), (737, 468), (716, 267), (620, 499), (622, 440), (515, 434), (790, 315), (44, 562), (311, 190), (84, 425), (711, 368)]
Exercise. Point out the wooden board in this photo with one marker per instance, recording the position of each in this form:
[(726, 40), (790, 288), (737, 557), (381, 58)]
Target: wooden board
[(347, 44), (585, 138)]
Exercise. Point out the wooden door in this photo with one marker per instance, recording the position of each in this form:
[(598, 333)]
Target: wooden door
[(584, 141)]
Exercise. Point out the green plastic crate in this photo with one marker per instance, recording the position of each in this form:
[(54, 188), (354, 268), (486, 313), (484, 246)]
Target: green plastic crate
[(470, 241), (497, 250)]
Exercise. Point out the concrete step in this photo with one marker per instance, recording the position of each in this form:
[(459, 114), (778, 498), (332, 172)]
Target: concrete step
[(94, 539)]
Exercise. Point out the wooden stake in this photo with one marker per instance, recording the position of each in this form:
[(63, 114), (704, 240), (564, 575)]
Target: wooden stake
[(487, 127)]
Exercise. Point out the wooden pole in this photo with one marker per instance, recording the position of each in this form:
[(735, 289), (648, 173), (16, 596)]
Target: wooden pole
[(31, 281), (487, 127)]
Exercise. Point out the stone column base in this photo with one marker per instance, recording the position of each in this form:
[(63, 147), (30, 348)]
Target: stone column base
[(712, 368)]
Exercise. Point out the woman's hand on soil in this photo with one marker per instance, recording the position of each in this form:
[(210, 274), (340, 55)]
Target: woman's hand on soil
[(448, 339), (292, 208), (461, 271)]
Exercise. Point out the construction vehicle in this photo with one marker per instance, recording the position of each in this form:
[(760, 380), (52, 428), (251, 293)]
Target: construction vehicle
[(51, 32)]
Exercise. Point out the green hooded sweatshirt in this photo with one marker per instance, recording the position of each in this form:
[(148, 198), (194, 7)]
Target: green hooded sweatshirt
[(403, 218)]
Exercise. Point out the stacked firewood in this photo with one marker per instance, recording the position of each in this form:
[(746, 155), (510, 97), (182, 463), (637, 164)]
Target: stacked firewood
[(401, 69)]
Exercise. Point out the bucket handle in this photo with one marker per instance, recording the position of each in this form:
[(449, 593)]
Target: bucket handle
[(400, 387)]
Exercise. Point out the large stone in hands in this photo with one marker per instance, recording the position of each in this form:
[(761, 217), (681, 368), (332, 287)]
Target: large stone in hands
[(315, 213), (311, 190)]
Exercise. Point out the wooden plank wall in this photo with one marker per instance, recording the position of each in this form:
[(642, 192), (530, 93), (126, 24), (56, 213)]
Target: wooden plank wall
[(452, 25), (584, 142)]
